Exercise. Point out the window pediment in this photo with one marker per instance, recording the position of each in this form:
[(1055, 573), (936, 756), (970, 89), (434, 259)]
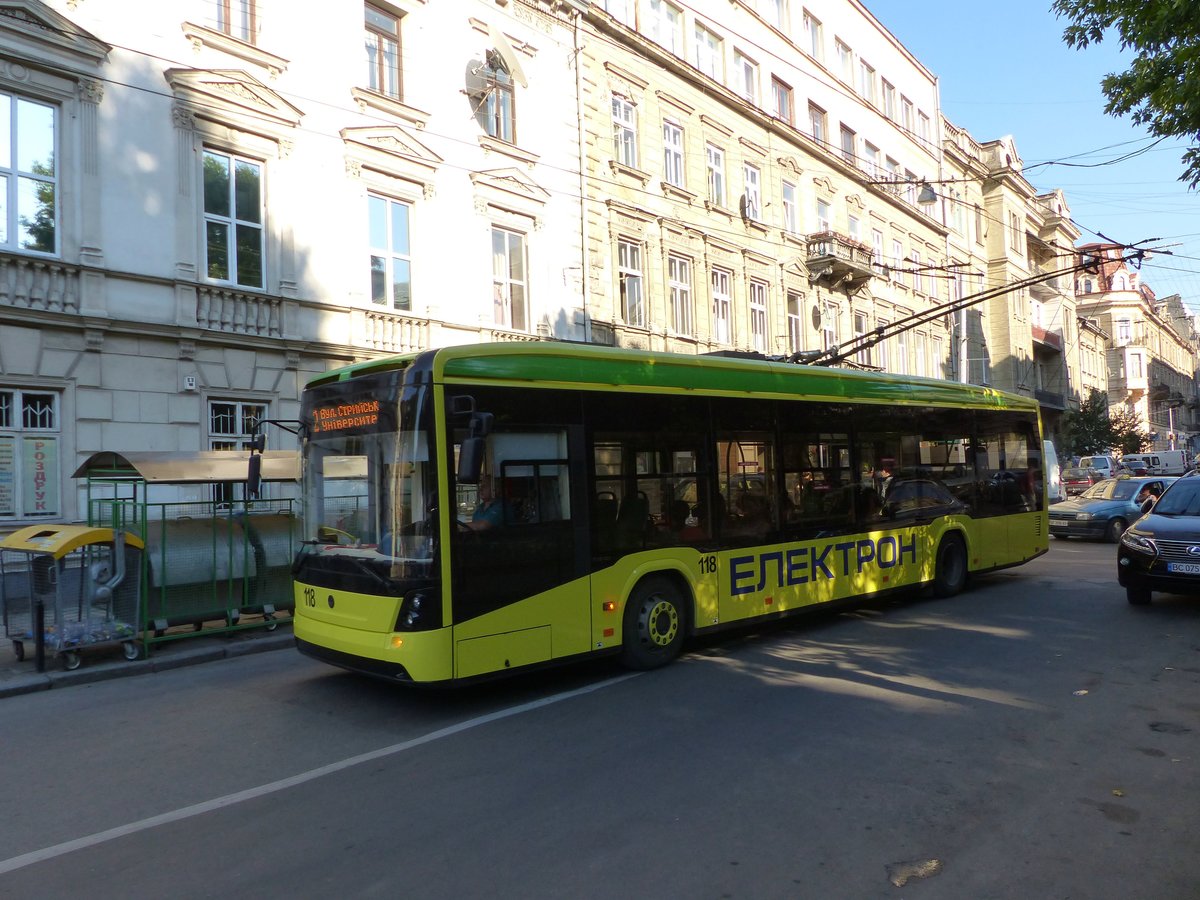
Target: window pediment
[(509, 183), (389, 149), (48, 37), (231, 96)]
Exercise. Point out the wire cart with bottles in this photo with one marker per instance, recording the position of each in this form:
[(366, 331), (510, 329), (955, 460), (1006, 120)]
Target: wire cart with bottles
[(83, 582)]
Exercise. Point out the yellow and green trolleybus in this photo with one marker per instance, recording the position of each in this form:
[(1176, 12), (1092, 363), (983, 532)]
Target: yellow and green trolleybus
[(477, 510)]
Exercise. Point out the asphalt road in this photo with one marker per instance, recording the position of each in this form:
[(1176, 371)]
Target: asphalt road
[(1035, 737)]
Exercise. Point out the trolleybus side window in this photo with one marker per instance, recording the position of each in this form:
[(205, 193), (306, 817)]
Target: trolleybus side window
[(1008, 465), (817, 472)]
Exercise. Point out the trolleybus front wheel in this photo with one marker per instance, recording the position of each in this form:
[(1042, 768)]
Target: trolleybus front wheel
[(654, 624)]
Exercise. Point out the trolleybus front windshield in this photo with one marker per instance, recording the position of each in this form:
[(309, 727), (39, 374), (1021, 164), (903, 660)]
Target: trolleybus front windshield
[(369, 480)]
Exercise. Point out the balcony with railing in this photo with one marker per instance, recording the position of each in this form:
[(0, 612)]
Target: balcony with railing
[(33, 283), (838, 261), (1047, 338)]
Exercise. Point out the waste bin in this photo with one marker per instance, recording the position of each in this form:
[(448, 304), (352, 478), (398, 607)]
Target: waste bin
[(86, 580)]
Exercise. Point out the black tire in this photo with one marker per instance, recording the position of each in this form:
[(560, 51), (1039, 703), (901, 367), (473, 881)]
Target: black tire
[(1115, 529), (1060, 537), (655, 624), (1137, 595), (950, 568), (132, 650), (71, 660)]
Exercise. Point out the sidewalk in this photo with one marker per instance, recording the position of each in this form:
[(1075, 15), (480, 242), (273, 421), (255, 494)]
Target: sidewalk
[(103, 662)]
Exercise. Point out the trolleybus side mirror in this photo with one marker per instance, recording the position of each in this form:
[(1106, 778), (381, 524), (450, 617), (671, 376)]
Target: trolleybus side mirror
[(474, 448)]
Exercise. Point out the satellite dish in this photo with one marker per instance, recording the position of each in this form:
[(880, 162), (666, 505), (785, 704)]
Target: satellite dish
[(508, 55), (816, 316)]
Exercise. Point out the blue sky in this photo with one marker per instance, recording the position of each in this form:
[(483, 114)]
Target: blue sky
[(1004, 69)]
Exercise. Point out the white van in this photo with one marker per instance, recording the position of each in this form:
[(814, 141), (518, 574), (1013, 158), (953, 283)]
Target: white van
[(1054, 487), (1159, 462), (1105, 466)]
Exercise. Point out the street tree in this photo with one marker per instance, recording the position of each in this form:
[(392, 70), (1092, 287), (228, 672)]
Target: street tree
[(1160, 87), (1125, 431), (1087, 430)]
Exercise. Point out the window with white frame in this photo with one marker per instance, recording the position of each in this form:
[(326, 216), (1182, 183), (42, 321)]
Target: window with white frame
[(937, 347), (665, 25), (237, 18), (1014, 222), (845, 62), (871, 159), (901, 362), (920, 355), (621, 10), (881, 354), (679, 282), (863, 356), (758, 315), (866, 81), (980, 231), (897, 261), (854, 227), (791, 211), (795, 324), (829, 325), (923, 129), (673, 170), (889, 99), (498, 111), (708, 52), (816, 123), (233, 219), (510, 286), (910, 186), (824, 223), (892, 173), (931, 286), (624, 131), (781, 100), (631, 282), (958, 211), (914, 261), (877, 246), (383, 51), (906, 114), (846, 139), (746, 71), (722, 306), (1124, 331), (814, 40), (776, 12), (231, 425), (30, 454), (752, 199), (29, 171), (715, 163), (391, 252)]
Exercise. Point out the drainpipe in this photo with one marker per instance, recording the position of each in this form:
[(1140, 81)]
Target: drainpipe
[(584, 275)]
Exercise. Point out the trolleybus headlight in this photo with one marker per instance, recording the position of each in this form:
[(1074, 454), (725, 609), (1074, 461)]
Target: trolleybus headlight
[(420, 611)]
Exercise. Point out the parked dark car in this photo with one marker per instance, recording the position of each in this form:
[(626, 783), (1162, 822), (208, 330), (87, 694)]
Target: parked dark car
[(1161, 551), (1105, 509), (1076, 479)]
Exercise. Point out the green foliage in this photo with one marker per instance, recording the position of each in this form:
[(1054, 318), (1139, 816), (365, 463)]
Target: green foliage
[(1086, 430), (1093, 428), (1126, 433), (1161, 87)]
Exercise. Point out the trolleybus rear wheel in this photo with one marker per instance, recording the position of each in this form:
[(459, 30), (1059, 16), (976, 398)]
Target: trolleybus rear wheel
[(654, 624), (950, 573)]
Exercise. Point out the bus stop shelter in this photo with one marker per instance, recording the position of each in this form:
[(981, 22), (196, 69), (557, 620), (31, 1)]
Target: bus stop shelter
[(211, 564)]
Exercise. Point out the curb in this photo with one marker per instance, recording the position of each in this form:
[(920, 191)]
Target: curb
[(201, 650)]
